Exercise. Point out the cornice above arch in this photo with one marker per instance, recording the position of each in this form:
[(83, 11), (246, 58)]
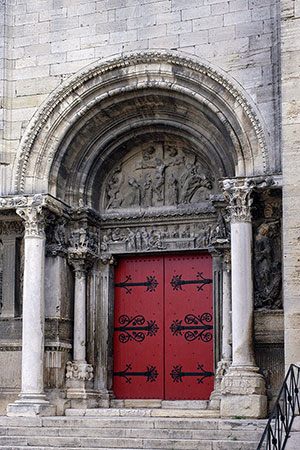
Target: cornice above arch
[(74, 98)]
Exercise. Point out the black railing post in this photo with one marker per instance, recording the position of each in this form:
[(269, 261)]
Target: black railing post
[(287, 405)]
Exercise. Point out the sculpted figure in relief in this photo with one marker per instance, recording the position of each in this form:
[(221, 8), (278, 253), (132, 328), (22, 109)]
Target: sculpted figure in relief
[(159, 179), (113, 189), (147, 191), (135, 195)]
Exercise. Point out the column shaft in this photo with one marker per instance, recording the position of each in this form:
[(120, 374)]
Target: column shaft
[(242, 294), (33, 316), (79, 349), (227, 328)]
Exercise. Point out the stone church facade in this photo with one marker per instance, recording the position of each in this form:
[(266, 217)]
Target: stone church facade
[(134, 129)]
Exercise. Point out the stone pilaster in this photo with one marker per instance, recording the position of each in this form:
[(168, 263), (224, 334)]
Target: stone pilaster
[(32, 398), (226, 327), (242, 387), (106, 326), (79, 374)]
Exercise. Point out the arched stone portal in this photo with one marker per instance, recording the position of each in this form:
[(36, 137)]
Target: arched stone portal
[(127, 155)]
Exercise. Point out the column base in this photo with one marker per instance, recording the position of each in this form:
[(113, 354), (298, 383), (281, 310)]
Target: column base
[(81, 394), (216, 395), (105, 398), (31, 406), (243, 393)]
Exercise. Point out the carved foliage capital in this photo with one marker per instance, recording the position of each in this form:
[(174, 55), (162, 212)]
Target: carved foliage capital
[(81, 261), (79, 371), (238, 194), (34, 220)]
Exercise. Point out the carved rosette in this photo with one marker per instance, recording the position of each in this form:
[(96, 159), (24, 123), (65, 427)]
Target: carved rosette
[(34, 220), (238, 194), (79, 371)]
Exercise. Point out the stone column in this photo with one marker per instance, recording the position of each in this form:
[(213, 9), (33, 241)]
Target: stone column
[(225, 327), (243, 388), (105, 330), (79, 375), (32, 398), (226, 314)]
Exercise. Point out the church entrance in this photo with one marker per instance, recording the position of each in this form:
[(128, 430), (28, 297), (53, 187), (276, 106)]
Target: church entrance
[(163, 331)]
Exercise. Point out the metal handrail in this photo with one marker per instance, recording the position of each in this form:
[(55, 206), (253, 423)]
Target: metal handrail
[(283, 413)]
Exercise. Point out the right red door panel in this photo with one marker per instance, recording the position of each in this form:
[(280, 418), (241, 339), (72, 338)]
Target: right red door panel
[(188, 327), (163, 340)]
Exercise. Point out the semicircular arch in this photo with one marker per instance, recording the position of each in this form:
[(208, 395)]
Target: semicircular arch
[(93, 117)]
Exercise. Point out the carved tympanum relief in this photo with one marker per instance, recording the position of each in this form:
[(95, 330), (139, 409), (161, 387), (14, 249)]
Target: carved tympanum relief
[(158, 175)]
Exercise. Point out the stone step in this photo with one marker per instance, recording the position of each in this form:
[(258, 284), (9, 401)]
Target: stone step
[(143, 412), (91, 443), (129, 433), (134, 422), (220, 445), (143, 433)]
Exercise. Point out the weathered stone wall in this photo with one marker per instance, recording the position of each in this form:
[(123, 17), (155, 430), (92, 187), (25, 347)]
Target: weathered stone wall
[(290, 31), (48, 40)]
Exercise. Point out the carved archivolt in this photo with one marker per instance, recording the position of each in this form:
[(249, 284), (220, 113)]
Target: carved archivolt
[(74, 98)]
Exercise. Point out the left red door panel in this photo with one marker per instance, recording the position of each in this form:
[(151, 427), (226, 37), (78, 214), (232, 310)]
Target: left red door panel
[(139, 328)]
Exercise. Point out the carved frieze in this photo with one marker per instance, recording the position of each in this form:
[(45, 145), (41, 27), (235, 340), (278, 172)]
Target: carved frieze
[(158, 175), (164, 237)]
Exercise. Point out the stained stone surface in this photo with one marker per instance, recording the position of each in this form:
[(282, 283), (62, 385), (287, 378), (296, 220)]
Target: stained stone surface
[(133, 148)]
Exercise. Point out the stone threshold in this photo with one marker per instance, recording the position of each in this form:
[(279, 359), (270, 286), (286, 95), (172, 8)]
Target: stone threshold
[(144, 412), (157, 403)]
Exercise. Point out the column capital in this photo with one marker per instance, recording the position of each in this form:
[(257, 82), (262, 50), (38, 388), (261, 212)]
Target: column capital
[(237, 192), (79, 371), (34, 218), (81, 261)]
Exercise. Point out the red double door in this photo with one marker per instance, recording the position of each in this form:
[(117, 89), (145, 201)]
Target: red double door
[(163, 335)]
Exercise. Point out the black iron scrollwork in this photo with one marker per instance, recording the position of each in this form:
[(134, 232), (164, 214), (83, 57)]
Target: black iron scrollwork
[(177, 282), (151, 284), (134, 328), (151, 374), (195, 327), (177, 374)]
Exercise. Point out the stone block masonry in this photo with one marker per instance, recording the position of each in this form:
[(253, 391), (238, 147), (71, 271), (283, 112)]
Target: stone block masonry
[(48, 40)]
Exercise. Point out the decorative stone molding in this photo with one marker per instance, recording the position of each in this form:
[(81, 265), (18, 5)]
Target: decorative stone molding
[(161, 58), (79, 371), (44, 200), (11, 228)]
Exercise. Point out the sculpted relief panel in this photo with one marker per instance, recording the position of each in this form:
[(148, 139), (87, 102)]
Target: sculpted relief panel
[(158, 175), (165, 237)]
